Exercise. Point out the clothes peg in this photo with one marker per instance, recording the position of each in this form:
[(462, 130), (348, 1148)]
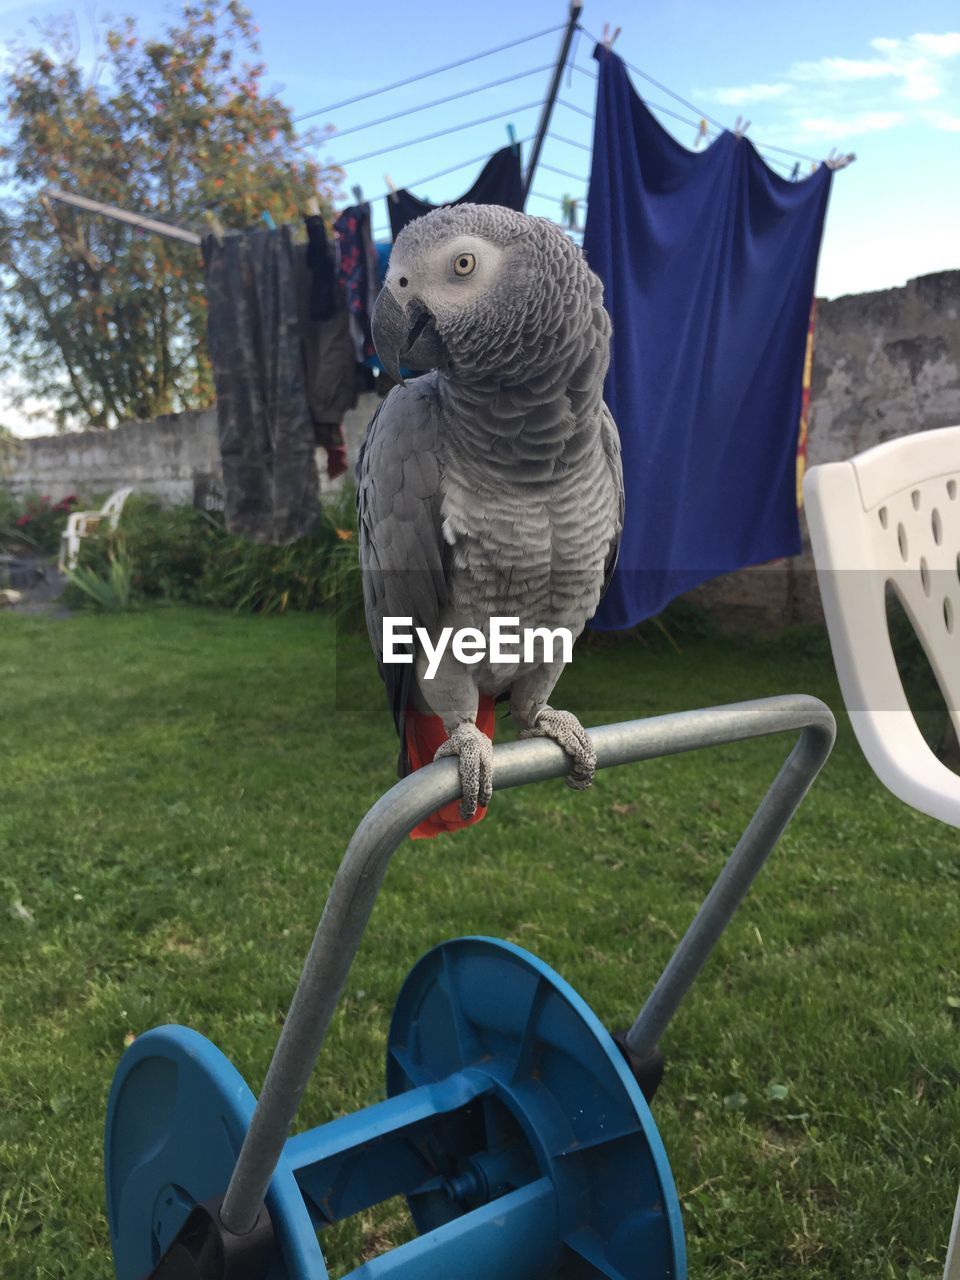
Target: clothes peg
[(741, 127), (512, 135), (701, 133), (268, 219), (608, 39), (312, 207), (796, 171), (215, 225), (390, 187), (357, 192)]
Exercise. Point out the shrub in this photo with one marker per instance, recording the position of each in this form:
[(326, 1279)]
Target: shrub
[(9, 510), (112, 592), (180, 554), (42, 521), (170, 548)]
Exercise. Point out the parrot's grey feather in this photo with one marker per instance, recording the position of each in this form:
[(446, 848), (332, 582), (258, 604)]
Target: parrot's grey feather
[(398, 505), (611, 447)]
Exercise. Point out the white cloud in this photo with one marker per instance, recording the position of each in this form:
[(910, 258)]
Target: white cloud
[(916, 61), (750, 93), (841, 69), (943, 120), (943, 46), (910, 69)]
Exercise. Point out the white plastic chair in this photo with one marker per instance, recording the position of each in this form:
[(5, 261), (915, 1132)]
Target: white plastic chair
[(82, 523), (891, 515)]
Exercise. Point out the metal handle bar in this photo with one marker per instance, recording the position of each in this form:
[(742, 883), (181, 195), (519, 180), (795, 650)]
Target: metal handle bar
[(395, 814)]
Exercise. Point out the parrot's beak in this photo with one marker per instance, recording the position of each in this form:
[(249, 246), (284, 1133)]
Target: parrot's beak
[(405, 336)]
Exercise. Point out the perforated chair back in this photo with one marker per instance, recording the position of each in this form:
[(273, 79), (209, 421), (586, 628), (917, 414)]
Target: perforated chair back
[(891, 516)]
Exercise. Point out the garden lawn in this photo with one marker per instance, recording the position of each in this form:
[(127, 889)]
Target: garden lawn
[(177, 788)]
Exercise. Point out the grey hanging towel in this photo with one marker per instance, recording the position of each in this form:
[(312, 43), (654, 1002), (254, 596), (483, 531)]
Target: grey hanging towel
[(266, 433)]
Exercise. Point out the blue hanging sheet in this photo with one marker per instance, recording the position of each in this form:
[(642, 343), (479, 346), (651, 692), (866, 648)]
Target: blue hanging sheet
[(708, 261)]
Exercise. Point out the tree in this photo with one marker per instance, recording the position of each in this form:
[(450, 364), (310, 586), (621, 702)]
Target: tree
[(102, 321)]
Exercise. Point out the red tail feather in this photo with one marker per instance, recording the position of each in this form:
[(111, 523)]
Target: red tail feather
[(423, 735)]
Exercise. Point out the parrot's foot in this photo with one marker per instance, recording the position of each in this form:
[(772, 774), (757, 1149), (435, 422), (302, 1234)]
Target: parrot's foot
[(565, 729), (475, 751)]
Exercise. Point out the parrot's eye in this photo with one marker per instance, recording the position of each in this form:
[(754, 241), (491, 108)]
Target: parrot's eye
[(464, 263)]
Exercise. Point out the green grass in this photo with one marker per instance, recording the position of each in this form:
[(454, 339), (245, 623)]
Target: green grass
[(177, 788)]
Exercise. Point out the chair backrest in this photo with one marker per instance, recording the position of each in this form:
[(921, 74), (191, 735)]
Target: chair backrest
[(891, 515), (114, 505)]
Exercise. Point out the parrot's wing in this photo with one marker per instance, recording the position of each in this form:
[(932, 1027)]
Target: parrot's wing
[(611, 447), (402, 551)]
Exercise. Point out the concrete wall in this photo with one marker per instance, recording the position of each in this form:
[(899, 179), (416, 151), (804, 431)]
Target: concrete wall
[(164, 457), (160, 457), (885, 364)]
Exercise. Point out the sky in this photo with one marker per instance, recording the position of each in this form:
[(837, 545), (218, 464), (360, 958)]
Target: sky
[(881, 80)]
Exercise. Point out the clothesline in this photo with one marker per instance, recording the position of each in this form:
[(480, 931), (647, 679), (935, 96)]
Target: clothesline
[(437, 102), (440, 133), (702, 118), (423, 75)]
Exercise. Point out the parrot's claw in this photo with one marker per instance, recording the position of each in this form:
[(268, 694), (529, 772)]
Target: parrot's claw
[(475, 751), (565, 729)]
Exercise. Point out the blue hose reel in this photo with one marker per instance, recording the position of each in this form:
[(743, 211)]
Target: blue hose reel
[(513, 1123)]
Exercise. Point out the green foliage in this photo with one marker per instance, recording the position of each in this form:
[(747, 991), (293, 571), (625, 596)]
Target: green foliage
[(247, 576), (9, 511), (100, 319), (318, 572), (38, 523), (169, 548), (112, 593), (182, 555)]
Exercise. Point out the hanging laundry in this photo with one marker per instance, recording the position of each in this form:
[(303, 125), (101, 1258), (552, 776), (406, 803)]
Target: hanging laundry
[(323, 274), (329, 358), (500, 182), (265, 428), (708, 261), (358, 274)]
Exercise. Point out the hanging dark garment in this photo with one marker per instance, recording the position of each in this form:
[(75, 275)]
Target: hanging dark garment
[(500, 182), (359, 274), (329, 364), (265, 428), (323, 275), (708, 261)]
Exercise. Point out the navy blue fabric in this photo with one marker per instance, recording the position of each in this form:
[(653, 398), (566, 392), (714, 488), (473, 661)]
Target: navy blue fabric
[(708, 261)]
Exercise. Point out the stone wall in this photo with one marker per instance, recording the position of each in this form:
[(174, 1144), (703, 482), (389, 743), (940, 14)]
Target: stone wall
[(885, 364), (164, 457)]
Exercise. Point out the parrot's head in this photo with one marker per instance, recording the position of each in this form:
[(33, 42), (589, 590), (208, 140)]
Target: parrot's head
[(480, 292)]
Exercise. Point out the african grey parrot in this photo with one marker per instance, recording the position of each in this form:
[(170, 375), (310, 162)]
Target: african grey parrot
[(491, 485)]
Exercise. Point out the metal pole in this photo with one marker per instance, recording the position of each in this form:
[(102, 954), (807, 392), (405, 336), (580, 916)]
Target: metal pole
[(729, 889), (121, 215), (575, 9), (357, 883)]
